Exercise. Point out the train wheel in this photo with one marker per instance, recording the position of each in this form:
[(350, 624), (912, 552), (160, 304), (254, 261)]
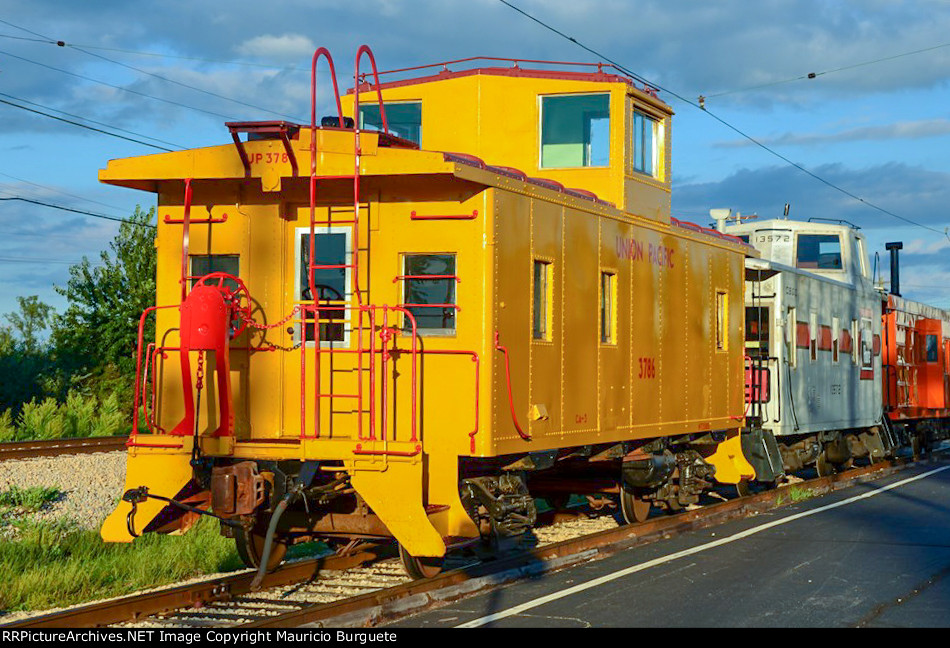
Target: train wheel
[(824, 467), (420, 567), (744, 488), (633, 507), (250, 547)]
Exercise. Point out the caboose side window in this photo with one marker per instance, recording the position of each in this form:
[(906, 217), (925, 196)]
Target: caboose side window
[(404, 119), (757, 329), (933, 353), (645, 137), (813, 337), (431, 301), (819, 252), (722, 320), (835, 332), (575, 131), (330, 278), (608, 309), (541, 327)]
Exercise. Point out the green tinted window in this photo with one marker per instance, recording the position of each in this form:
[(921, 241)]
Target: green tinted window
[(404, 119), (575, 131)]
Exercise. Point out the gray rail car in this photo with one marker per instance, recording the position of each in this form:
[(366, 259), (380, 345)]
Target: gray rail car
[(813, 331)]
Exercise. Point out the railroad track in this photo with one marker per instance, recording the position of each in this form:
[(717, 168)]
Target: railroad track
[(53, 447), (369, 587)]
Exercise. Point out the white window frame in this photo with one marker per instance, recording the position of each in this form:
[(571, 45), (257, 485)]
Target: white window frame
[(541, 99), (347, 320)]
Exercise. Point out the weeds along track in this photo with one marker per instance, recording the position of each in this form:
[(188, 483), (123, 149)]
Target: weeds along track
[(369, 586), (53, 447)]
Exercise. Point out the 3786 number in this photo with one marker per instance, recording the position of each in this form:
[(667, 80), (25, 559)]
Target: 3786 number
[(647, 368)]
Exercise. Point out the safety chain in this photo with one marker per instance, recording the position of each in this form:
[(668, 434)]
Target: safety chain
[(263, 327), (201, 370)]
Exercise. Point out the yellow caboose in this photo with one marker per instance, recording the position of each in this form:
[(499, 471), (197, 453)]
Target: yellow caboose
[(404, 322)]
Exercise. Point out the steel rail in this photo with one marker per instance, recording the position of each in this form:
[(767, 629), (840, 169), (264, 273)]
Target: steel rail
[(395, 602), (55, 447), (412, 598), (136, 606)]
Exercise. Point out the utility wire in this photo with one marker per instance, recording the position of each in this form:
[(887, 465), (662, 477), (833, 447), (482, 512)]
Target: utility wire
[(5, 259), (185, 85), (120, 50), (78, 211), (110, 85), (814, 75), (152, 74), (724, 123), (91, 121), (75, 123), (59, 191)]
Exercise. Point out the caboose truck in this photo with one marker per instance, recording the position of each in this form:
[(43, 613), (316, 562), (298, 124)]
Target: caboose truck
[(813, 323), (359, 339)]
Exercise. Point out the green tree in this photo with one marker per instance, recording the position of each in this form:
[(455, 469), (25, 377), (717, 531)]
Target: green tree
[(99, 330), (34, 318)]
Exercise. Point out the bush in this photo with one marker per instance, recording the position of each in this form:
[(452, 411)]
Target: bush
[(80, 416), (7, 428)]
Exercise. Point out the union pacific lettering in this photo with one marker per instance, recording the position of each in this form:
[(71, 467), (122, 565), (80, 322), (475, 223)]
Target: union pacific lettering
[(631, 249)]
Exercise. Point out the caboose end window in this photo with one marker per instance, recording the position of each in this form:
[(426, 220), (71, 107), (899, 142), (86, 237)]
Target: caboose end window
[(404, 119), (331, 280), (819, 252), (429, 292)]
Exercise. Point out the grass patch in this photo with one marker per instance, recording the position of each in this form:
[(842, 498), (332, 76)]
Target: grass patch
[(56, 564), (796, 494), (29, 500)]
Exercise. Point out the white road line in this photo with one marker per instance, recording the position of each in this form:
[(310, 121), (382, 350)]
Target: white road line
[(518, 609)]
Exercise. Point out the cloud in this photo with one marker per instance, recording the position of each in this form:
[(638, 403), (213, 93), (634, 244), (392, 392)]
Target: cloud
[(913, 192), (289, 47), (900, 130)]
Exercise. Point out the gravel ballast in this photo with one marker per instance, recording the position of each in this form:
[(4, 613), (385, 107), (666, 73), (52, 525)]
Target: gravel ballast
[(91, 484)]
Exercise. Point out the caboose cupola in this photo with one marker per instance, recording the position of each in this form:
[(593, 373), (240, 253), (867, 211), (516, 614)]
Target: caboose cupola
[(580, 125)]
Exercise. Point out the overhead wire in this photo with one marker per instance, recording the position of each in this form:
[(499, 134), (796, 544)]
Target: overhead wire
[(59, 191), (722, 121), (151, 74), (80, 125), (815, 75), (116, 87), (78, 211), (5, 259), (91, 121), (49, 41)]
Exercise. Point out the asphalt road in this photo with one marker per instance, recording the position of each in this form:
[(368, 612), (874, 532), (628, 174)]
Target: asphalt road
[(882, 560)]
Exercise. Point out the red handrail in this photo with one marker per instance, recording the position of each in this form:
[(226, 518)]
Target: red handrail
[(138, 365), (511, 401), (185, 233)]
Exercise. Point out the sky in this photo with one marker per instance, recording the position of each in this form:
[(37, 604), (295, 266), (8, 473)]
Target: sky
[(873, 122)]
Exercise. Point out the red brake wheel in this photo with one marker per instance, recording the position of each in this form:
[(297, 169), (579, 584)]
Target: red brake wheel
[(238, 299)]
